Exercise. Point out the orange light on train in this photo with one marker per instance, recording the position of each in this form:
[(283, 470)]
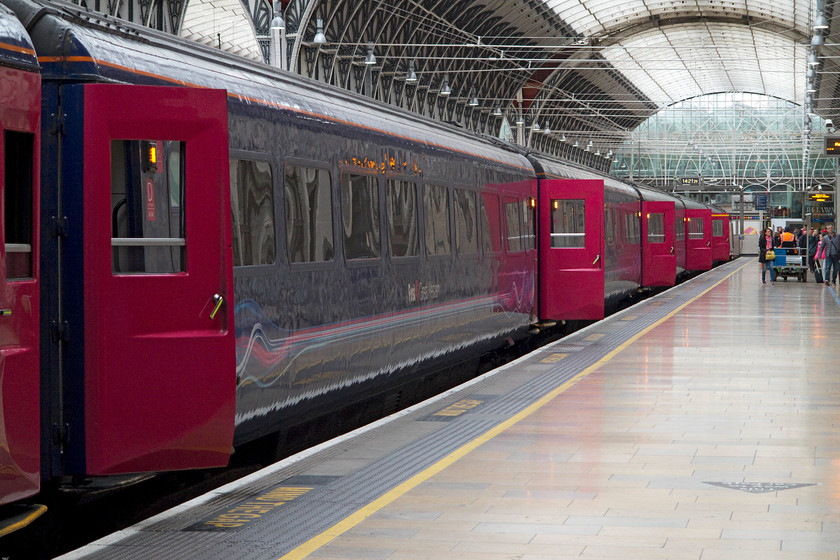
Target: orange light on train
[(149, 155)]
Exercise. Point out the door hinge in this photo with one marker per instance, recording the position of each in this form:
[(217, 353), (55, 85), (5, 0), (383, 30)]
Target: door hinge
[(60, 434), (61, 331), (60, 227), (57, 123)]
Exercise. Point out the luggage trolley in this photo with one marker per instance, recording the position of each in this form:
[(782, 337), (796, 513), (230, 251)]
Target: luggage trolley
[(791, 261)]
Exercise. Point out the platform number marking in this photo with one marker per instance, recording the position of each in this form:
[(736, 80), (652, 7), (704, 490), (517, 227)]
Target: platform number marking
[(458, 408), (249, 511), (553, 359)]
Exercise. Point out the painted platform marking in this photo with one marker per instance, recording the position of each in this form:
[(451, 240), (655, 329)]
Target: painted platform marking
[(400, 490)]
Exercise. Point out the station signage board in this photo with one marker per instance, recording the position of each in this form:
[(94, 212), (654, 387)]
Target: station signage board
[(831, 146)]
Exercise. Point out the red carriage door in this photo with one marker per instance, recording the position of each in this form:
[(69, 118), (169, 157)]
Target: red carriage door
[(571, 249), (20, 446), (659, 259), (720, 237), (698, 226), (158, 285)]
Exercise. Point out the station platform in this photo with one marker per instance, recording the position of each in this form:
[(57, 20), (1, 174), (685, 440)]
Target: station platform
[(701, 424)]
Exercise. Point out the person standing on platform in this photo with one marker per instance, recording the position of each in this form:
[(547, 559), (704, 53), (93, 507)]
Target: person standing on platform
[(765, 243), (832, 256), (813, 243), (821, 256)]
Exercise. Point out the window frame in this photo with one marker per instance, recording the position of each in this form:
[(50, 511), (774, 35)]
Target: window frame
[(364, 261), (331, 171), (418, 200), (32, 196), (499, 220), (512, 199), (454, 232), (435, 183), (573, 235), (279, 212), (661, 227)]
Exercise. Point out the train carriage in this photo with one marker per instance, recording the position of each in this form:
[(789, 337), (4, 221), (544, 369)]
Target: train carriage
[(234, 252), (20, 105), (252, 249)]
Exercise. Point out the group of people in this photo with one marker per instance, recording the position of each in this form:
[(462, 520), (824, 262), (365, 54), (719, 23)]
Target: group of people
[(823, 250)]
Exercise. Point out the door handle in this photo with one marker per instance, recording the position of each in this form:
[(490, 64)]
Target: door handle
[(218, 300), (598, 258), (5, 312), (709, 244), (672, 249)]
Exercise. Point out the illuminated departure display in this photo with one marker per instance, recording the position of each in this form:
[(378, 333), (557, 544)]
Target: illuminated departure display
[(832, 146)]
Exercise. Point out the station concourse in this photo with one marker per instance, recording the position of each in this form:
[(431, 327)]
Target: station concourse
[(699, 424)]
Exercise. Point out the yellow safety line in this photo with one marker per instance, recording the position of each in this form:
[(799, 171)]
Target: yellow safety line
[(357, 517), (29, 518)]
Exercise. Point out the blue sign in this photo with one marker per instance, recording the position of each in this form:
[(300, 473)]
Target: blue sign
[(760, 201)]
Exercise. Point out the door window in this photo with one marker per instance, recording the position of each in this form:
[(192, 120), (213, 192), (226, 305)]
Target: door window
[(695, 228), (147, 210), (17, 199), (656, 227), (568, 224)]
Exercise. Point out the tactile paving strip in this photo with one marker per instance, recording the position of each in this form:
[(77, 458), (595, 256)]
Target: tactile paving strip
[(289, 526)]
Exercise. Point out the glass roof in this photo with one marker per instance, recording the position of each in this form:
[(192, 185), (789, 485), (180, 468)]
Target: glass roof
[(221, 23), (673, 63), (604, 17), (677, 49)]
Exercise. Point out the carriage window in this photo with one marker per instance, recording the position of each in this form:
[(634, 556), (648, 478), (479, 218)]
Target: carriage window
[(529, 235), (360, 216), (436, 208), (632, 228), (695, 228), (147, 212), (466, 232), (17, 198), (252, 207), (679, 223), (656, 227), (309, 225), (491, 231), (568, 223), (514, 230), (717, 228), (403, 227)]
